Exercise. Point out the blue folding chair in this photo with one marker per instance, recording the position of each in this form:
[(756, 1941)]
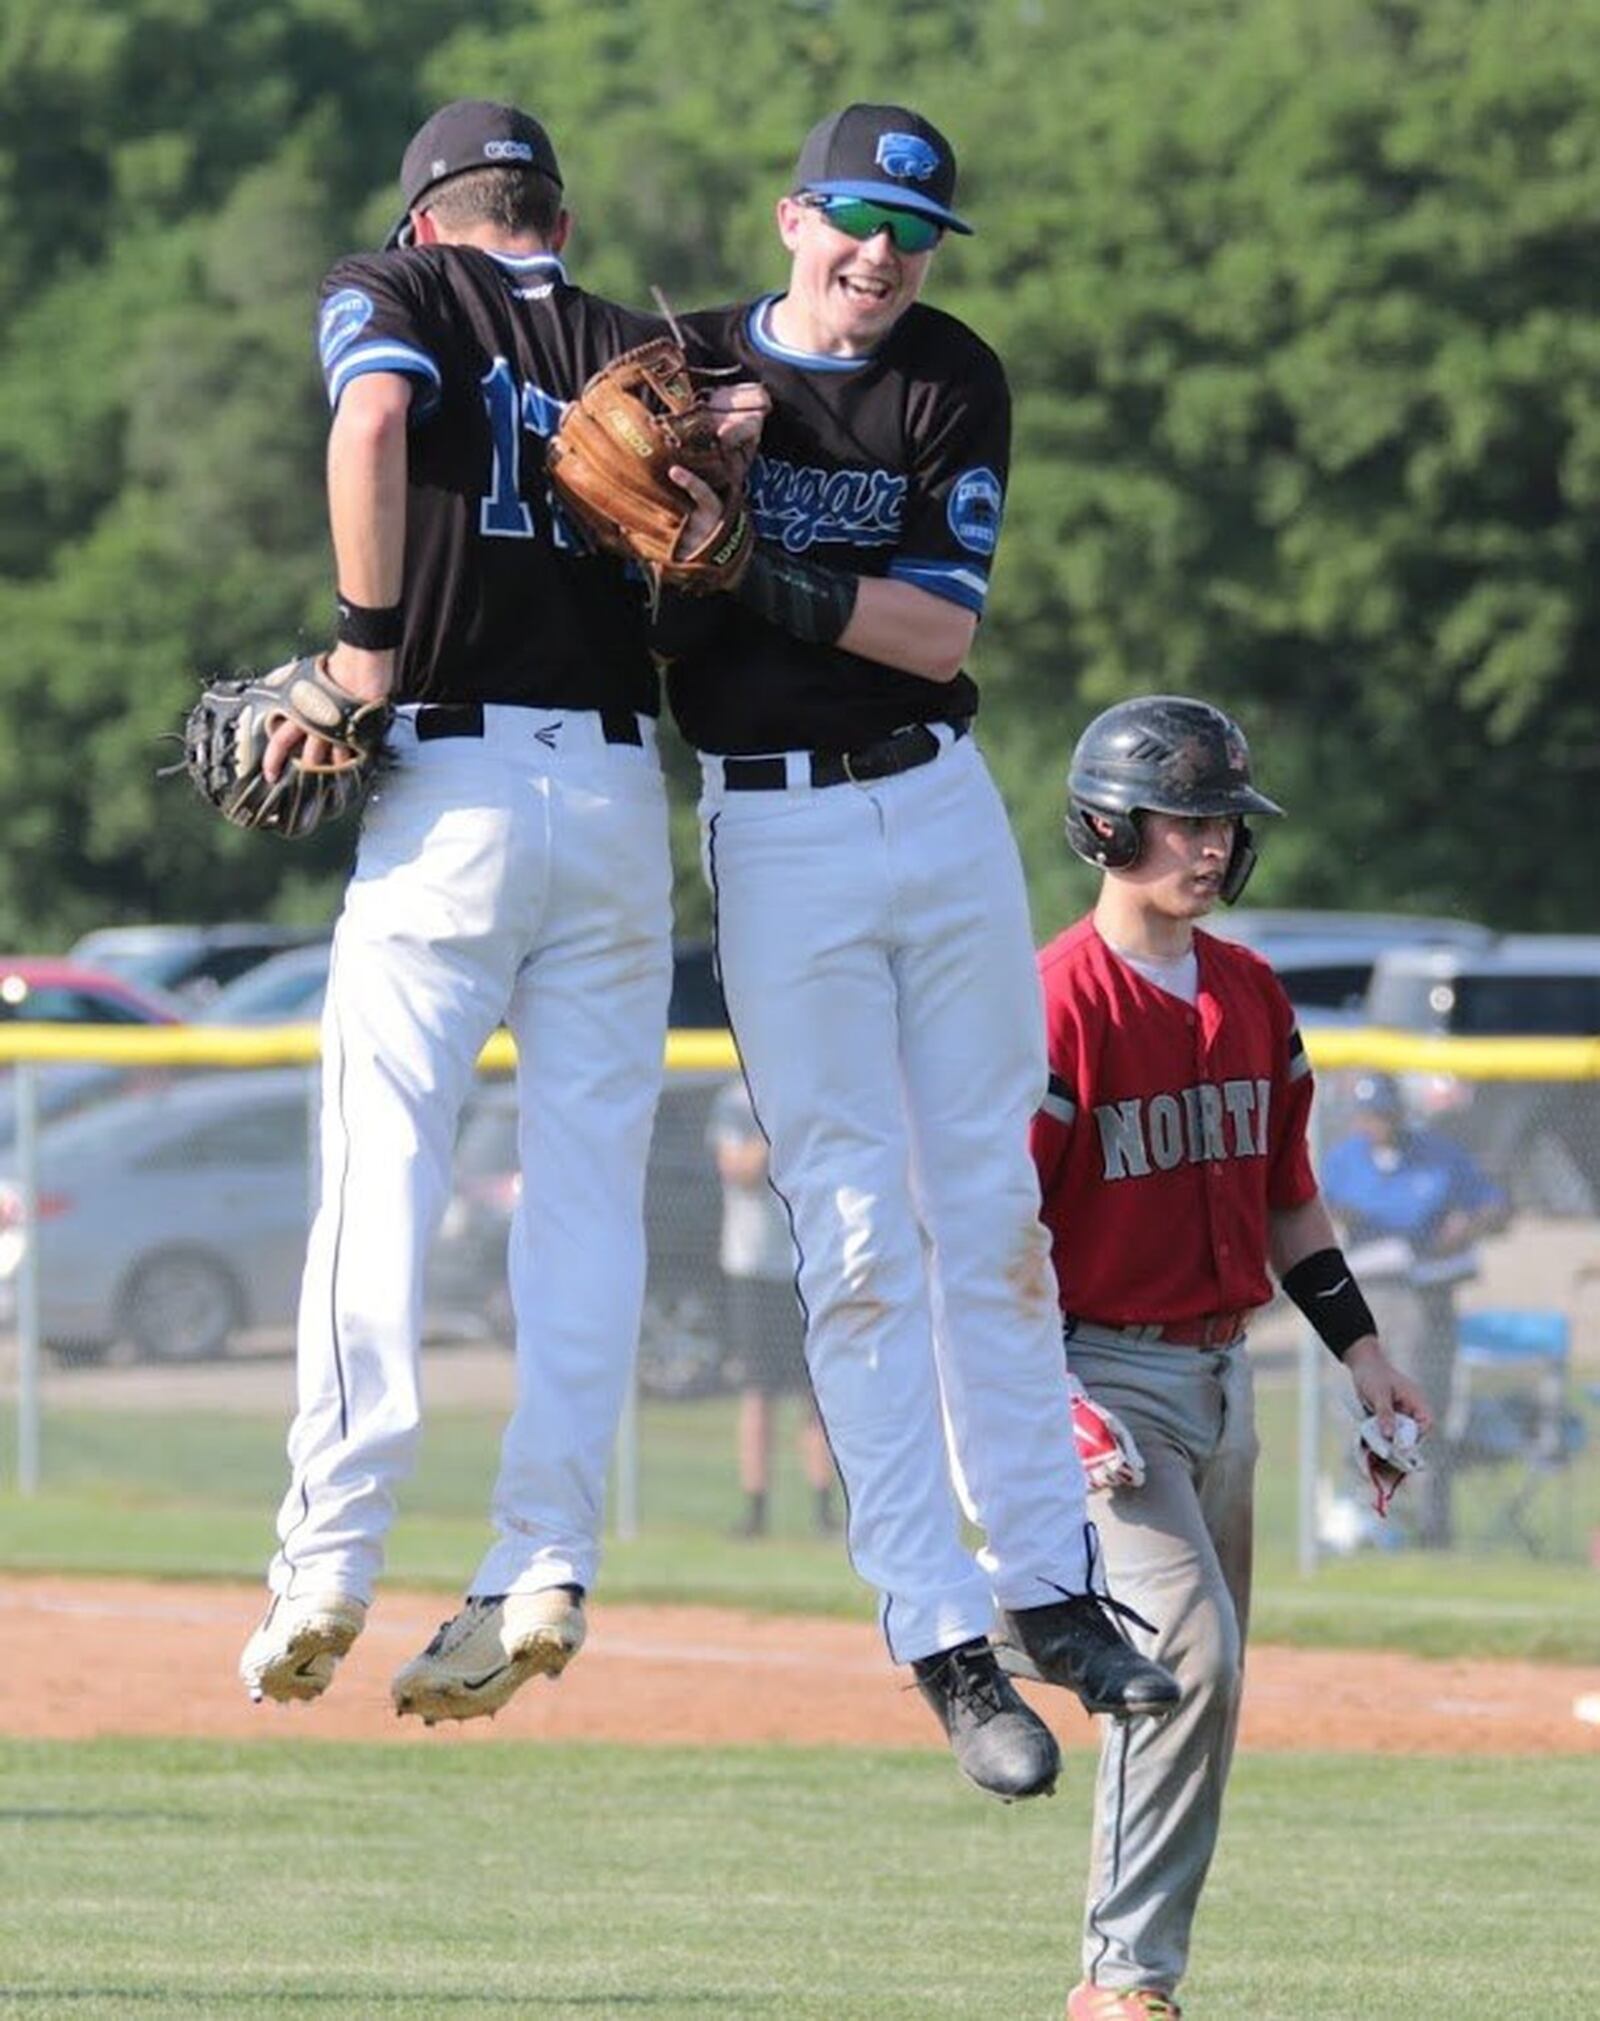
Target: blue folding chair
[(1526, 1424)]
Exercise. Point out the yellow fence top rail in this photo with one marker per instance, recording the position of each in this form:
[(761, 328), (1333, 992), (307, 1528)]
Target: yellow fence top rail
[(199, 1045)]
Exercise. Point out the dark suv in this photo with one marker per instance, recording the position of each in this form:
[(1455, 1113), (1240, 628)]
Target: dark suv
[(1541, 1139), (1324, 958)]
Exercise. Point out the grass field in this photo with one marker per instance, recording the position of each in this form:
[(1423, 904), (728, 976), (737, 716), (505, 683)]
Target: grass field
[(180, 1879), (193, 1495)]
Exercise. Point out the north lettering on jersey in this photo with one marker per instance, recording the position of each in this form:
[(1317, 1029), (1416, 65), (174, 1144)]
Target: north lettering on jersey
[(1205, 1123)]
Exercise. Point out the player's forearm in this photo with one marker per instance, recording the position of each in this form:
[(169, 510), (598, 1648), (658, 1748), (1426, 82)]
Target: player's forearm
[(902, 626), (1316, 1276), (890, 622)]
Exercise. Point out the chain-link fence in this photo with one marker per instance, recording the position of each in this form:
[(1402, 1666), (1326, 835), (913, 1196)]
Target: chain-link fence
[(153, 1212)]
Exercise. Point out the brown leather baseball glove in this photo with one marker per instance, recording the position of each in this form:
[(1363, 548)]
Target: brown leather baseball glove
[(608, 462)]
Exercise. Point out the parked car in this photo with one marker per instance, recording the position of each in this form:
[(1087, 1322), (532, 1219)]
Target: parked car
[(171, 1218), (681, 1336), (1541, 1139), (289, 988), (284, 989), (193, 961), (45, 989), (1324, 959)]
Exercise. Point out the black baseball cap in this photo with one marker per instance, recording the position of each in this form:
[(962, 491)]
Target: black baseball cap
[(466, 134), (886, 153)]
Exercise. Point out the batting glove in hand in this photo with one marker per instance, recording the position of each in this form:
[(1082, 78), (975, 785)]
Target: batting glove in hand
[(1387, 1459), (1105, 1445)]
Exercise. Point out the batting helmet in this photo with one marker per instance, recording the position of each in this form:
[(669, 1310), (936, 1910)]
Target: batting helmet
[(1161, 754)]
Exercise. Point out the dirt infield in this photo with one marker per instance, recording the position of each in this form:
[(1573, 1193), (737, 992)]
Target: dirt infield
[(113, 1652)]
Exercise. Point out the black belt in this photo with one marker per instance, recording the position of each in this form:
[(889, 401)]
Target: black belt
[(465, 719), (902, 752)]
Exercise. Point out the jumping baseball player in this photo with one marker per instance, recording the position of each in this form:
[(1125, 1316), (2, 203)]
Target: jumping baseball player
[(1171, 1151), (873, 936), (512, 867)]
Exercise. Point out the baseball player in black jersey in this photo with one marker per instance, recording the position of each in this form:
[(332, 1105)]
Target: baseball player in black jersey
[(512, 867), (876, 953)]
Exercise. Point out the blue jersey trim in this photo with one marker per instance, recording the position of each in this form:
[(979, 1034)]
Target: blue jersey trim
[(758, 328), (388, 354), (523, 263), (948, 579)]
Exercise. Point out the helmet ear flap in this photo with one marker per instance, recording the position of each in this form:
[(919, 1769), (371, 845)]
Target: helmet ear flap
[(1241, 861), (1117, 848)]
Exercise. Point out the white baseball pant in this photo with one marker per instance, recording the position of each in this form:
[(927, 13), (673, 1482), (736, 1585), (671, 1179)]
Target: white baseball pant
[(878, 964), (518, 876)]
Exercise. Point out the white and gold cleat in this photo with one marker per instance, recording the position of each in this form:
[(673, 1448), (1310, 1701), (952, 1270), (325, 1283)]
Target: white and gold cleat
[(484, 1654), (298, 1646)]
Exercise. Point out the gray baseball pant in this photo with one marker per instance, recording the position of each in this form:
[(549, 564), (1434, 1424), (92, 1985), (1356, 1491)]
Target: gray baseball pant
[(1178, 1550)]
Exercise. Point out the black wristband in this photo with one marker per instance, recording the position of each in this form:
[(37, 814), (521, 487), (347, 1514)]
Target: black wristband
[(1326, 1292), (372, 629), (809, 602)]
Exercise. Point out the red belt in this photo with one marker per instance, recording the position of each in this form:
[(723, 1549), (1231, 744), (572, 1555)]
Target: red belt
[(1220, 1329)]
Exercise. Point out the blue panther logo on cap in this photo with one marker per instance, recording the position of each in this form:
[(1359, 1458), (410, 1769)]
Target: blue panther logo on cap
[(906, 156)]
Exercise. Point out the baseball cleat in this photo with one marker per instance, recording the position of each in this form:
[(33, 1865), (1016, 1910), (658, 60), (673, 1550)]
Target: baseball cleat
[(1074, 1642), (1000, 1743), (1107, 2003), (296, 1649), (482, 1655)]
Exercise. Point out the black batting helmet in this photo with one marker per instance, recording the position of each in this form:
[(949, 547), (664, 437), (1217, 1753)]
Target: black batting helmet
[(1161, 754)]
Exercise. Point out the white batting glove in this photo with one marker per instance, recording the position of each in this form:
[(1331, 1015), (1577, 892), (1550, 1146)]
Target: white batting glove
[(1388, 1461), (1105, 1444)]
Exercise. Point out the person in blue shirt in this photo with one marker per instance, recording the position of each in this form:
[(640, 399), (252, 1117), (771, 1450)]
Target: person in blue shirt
[(1414, 1204)]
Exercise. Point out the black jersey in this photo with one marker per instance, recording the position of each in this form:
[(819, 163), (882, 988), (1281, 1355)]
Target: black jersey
[(503, 601), (889, 465)]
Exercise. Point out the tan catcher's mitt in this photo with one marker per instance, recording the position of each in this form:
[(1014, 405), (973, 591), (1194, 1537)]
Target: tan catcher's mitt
[(608, 462), (225, 740)]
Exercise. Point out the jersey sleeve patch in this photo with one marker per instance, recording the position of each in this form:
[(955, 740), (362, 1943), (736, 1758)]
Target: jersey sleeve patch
[(949, 579), (976, 503), (388, 354), (1299, 1065), (1058, 1101), (344, 316)]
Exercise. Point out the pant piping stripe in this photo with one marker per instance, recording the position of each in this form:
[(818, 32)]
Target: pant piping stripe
[(783, 1198), (1118, 1740)]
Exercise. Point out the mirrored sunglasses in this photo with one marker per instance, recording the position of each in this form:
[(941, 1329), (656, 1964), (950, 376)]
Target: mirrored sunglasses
[(859, 218)]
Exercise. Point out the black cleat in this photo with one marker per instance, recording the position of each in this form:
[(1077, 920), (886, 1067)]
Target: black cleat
[(1000, 1743), (1075, 1642)]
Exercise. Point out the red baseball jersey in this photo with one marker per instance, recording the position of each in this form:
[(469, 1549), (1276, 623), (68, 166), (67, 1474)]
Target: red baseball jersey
[(1169, 1133)]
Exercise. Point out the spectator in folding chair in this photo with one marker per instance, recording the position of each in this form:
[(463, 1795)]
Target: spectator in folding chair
[(1414, 1205)]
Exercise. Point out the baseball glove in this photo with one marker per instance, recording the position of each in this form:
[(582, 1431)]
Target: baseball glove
[(225, 740), (608, 463)]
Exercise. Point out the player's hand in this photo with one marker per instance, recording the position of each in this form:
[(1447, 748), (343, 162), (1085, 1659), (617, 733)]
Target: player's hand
[(1105, 1446), (370, 676), (708, 511), (1381, 1388), (742, 409)]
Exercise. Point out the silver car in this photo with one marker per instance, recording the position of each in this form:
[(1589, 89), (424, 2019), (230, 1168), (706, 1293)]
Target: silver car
[(171, 1219)]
